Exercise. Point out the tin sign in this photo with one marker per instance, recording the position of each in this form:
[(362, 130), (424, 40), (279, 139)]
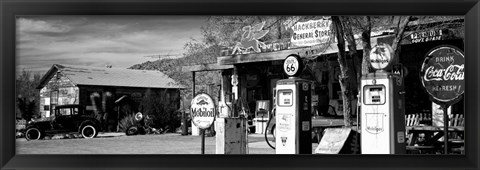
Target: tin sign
[(203, 111), (381, 56), (442, 73)]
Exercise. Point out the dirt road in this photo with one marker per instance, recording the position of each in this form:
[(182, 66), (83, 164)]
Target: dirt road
[(141, 144)]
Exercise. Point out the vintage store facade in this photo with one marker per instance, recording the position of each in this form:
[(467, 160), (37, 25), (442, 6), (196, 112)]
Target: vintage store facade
[(257, 72)]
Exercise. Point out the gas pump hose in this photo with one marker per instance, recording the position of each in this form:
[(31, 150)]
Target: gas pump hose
[(266, 128)]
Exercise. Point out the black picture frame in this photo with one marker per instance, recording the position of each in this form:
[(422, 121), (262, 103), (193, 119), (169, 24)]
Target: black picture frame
[(11, 8)]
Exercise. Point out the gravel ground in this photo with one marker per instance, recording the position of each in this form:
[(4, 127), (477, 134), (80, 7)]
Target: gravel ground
[(117, 143)]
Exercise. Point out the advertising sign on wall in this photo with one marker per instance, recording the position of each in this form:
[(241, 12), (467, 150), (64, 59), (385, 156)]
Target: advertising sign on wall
[(442, 73), (426, 36), (312, 32)]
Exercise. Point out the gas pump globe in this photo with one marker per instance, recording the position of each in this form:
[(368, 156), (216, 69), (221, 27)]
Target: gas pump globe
[(382, 107)]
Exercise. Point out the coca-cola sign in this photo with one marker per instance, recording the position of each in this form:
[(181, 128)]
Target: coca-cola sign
[(442, 73)]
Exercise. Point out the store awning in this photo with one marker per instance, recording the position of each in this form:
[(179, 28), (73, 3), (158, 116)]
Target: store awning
[(410, 37), (304, 52)]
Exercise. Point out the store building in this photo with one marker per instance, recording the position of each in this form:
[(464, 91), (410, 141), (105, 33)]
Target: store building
[(257, 72)]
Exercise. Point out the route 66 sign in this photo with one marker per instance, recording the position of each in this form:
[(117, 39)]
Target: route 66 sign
[(292, 65)]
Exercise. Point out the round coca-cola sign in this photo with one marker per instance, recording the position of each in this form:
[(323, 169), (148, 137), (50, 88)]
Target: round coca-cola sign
[(442, 73)]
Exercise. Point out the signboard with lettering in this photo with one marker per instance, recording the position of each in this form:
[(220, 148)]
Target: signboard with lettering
[(442, 74), (203, 111), (426, 36), (312, 32), (333, 140), (293, 65), (381, 56)]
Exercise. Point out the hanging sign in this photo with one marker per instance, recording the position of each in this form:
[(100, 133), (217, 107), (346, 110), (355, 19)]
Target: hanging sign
[(292, 65), (203, 111), (381, 56), (311, 33), (442, 74)]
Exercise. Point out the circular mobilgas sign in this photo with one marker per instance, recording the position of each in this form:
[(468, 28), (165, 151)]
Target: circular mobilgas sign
[(381, 56), (442, 73), (292, 65), (203, 111)]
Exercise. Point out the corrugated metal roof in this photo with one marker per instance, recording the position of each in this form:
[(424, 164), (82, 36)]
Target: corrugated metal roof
[(102, 76)]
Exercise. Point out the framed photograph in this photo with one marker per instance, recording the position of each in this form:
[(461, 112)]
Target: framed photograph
[(98, 84)]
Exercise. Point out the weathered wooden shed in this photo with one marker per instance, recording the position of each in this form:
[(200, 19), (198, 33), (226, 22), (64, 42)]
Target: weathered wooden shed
[(112, 92)]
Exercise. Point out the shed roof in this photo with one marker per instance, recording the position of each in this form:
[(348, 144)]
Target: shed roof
[(102, 76)]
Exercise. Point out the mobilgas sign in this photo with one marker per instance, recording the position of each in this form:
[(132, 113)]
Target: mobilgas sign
[(203, 111), (381, 56), (442, 73)]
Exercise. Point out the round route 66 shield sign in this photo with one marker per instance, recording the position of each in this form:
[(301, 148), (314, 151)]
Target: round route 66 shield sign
[(293, 65)]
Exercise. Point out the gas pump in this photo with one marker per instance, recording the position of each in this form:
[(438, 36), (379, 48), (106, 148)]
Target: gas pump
[(382, 109), (293, 111)]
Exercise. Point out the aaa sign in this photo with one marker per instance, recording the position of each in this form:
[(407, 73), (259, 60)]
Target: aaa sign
[(442, 74), (203, 111)]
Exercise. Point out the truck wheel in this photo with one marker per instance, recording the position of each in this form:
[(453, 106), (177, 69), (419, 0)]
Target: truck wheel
[(89, 131), (132, 130), (33, 134)]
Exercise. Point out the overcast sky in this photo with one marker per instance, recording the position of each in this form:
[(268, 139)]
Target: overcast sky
[(120, 41)]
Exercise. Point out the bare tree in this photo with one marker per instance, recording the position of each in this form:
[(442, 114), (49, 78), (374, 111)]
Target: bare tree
[(347, 77), (344, 27)]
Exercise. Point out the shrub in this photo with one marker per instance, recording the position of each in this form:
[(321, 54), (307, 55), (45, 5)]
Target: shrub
[(126, 122), (163, 109)]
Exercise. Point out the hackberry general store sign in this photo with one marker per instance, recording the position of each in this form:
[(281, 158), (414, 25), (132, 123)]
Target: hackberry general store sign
[(442, 73), (203, 111), (311, 33)]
